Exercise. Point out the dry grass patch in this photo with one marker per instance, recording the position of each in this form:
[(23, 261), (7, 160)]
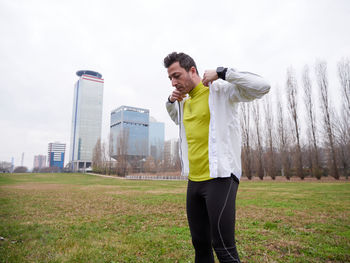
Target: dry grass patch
[(63, 203), (34, 186)]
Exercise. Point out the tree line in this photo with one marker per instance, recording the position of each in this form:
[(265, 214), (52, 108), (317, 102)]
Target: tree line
[(306, 134)]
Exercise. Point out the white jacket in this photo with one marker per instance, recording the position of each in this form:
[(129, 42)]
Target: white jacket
[(224, 128)]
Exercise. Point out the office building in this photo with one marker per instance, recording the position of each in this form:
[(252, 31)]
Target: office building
[(129, 128), (55, 154), (39, 161), (86, 118), (156, 139), (171, 152)]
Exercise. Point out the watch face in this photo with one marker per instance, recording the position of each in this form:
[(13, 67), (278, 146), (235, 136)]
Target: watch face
[(220, 69)]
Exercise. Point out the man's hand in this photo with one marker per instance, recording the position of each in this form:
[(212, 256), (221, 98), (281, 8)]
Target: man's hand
[(209, 76), (176, 95)]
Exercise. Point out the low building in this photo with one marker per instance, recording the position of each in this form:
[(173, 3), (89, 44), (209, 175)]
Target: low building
[(5, 167), (56, 152)]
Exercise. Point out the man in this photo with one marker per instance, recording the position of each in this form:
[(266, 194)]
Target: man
[(206, 111)]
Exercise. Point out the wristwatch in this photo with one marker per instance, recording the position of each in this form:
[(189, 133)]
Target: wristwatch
[(221, 71)]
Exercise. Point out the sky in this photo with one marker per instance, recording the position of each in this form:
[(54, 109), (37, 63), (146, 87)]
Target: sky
[(44, 43)]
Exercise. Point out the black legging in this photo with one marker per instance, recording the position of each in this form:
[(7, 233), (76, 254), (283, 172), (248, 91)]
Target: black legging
[(211, 216)]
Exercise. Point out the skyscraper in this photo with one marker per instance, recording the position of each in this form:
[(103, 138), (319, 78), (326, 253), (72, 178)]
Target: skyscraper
[(39, 161), (55, 154), (129, 130), (156, 139), (86, 118), (171, 152)]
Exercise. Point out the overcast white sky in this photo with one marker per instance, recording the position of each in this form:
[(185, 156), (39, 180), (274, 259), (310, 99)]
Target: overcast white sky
[(44, 42)]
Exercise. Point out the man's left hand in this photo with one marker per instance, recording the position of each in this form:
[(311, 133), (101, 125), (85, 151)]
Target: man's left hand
[(209, 76)]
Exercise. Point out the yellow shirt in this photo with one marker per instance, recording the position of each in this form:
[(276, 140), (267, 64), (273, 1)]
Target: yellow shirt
[(196, 122)]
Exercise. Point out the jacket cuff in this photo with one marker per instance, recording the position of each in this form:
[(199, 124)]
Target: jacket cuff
[(170, 100)]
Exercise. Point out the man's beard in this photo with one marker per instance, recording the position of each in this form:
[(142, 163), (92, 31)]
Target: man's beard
[(189, 85)]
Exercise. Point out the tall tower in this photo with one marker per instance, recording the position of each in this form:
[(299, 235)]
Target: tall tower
[(86, 118)]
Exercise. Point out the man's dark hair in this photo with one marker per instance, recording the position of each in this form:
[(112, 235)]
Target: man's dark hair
[(184, 60)]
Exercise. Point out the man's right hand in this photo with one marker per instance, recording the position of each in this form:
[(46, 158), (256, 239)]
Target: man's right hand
[(176, 95)]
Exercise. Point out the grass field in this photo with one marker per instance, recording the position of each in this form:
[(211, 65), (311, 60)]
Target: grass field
[(85, 218)]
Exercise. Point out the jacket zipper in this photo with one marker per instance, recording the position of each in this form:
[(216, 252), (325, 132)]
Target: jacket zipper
[(180, 148)]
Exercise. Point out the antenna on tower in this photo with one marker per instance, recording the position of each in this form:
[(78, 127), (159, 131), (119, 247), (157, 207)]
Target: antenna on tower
[(12, 164), (22, 159)]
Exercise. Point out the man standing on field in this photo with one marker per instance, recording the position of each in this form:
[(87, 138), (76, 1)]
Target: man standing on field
[(206, 111)]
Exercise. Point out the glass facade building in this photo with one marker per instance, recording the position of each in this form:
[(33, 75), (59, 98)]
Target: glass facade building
[(86, 118), (129, 128), (156, 139)]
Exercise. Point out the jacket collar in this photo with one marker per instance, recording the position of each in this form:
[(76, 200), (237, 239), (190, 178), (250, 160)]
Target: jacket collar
[(196, 90)]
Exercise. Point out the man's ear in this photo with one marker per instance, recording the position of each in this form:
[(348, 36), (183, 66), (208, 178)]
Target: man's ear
[(193, 71)]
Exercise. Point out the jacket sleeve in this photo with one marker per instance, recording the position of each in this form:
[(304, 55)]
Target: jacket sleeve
[(246, 86), (173, 109)]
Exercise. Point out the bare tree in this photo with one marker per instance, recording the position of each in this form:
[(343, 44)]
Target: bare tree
[(344, 78), (110, 152), (246, 152), (311, 121), (283, 139), (150, 165), (259, 148), (343, 122), (322, 81), (342, 140), (292, 92), (122, 151), (104, 157), (97, 157), (270, 155)]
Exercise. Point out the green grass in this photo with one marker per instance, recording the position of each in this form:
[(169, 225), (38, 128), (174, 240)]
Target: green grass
[(85, 218)]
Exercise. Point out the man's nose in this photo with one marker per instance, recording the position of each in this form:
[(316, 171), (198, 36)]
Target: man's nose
[(173, 82)]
